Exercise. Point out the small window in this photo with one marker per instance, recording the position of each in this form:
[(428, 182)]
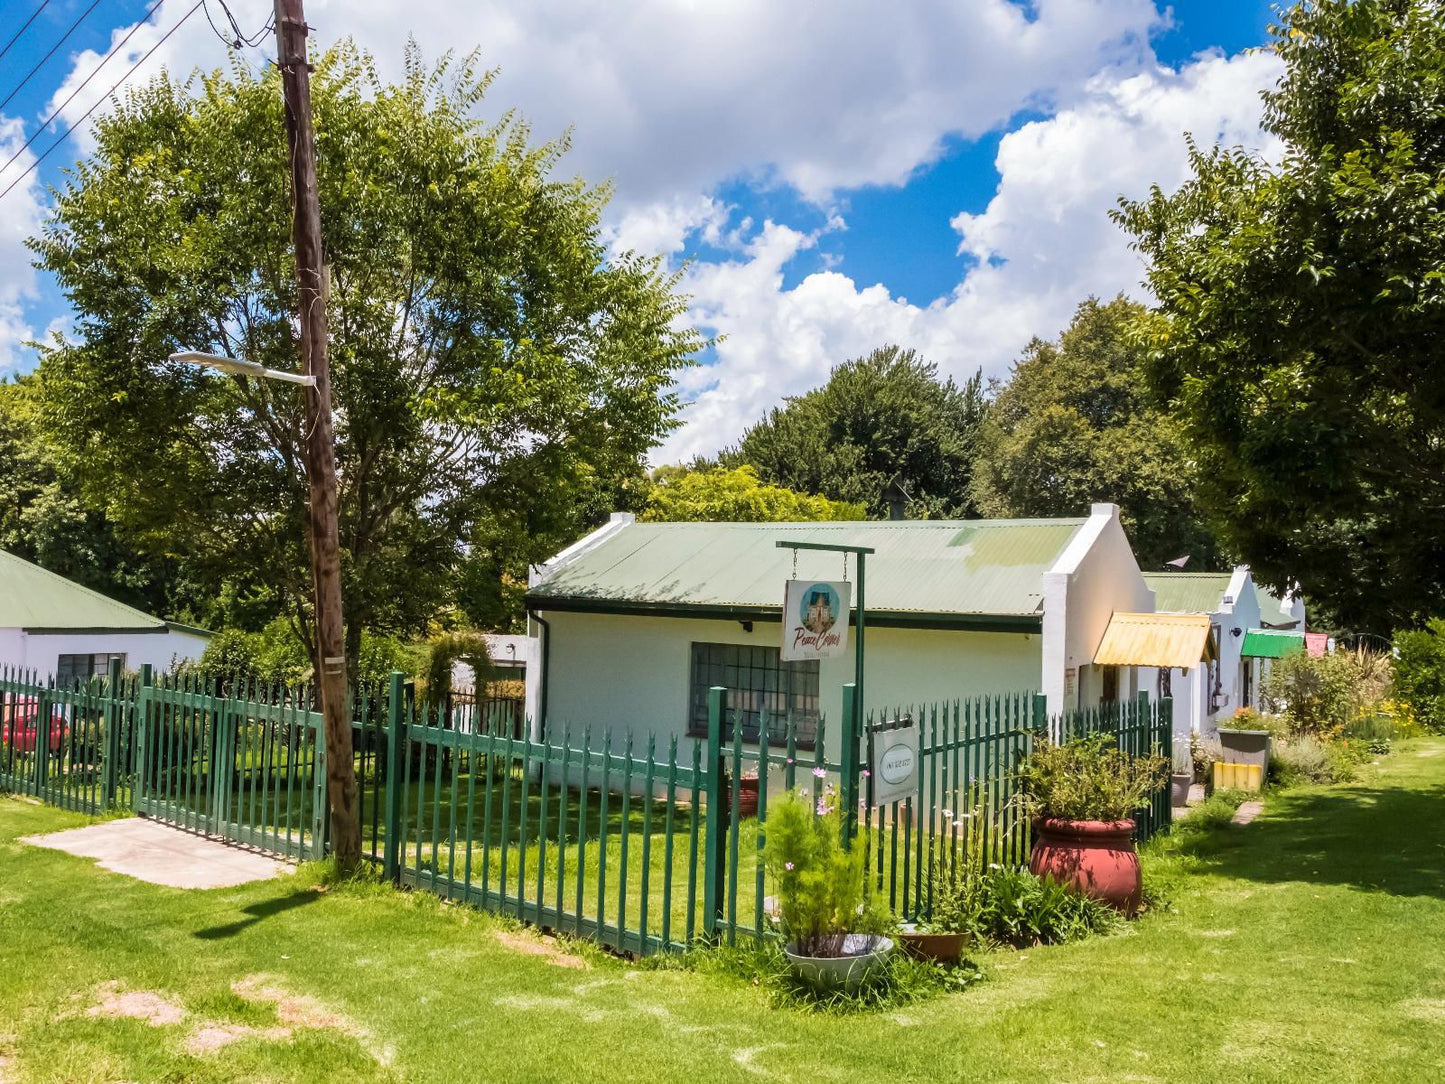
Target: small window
[(71, 669), (759, 684)]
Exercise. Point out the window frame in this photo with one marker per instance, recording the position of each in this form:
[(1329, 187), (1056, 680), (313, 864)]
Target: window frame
[(756, 679)]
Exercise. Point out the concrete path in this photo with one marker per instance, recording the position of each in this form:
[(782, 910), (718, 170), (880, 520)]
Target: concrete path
[(162, 855), (1247, 811)]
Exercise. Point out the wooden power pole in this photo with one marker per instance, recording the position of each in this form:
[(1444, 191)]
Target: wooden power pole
[(320, 436)]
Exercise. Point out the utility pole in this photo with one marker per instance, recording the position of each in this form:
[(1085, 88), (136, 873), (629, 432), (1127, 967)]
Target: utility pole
[(320, 439)]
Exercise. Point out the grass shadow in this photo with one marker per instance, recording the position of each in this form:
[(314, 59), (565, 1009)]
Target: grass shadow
[(1377, 839)]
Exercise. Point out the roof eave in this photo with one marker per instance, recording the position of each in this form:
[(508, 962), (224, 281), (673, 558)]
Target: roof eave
[(902, 619)]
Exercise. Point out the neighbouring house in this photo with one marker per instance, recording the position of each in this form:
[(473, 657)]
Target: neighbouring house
[(637, 620), (1208, 695), (55, 627), (1285, 612)]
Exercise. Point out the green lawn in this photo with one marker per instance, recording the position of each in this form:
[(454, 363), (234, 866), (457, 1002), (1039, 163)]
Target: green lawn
[(1306, 946)]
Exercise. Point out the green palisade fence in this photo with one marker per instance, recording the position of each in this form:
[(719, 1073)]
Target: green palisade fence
[(640, 843)]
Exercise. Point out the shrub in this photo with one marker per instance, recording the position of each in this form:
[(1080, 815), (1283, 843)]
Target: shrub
[(1418, 683), (1010, 906), (1088, 779), (1305, 758), (1205, 753), (1320, 695), (823, 894)]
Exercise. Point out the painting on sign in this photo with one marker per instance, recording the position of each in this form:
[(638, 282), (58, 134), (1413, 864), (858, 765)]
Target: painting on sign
[(815, 619), (894, 775)]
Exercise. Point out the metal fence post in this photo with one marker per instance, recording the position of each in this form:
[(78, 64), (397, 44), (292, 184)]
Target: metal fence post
[(848, 763), (715, 861), (142, 733), (395, 754), (110, 764), (1040, 713)]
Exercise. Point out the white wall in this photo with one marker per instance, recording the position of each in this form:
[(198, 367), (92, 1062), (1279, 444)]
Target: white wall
[(1191, 690), (41, 651), (622, 673), (1095, 576)]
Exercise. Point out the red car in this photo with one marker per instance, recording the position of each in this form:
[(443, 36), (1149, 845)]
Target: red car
[(17, 726)]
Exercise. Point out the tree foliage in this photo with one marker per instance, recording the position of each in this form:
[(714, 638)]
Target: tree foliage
[(497, 378), (883, 416), (1301, 322), (735, 495), (1075, 424), (44, 518)]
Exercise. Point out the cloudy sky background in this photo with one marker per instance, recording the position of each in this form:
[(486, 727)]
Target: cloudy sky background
[(835, 175)]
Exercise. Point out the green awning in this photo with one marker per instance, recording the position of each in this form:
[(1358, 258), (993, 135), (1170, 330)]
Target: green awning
[(1271, 644)]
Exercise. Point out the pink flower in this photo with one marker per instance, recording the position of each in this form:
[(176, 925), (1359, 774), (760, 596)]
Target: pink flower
[(866, 773), (788, 866), (820, 772)]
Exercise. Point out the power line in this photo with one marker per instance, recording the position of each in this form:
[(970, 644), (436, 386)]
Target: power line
[(96, 71), (41, 62), (12, 41), (114, 87), (240, 39)]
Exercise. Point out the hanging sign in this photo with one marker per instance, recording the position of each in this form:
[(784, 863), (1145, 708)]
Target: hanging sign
[(894, 775), (815, 619)]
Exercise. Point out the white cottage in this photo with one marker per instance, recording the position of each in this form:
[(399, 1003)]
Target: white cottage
[(54, 626), (1206, 696), (637, 620)]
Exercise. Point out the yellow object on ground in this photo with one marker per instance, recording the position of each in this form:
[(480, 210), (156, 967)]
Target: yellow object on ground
[(1237, 776)]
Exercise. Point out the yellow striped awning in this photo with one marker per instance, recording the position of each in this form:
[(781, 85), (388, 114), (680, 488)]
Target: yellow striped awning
[(1169, 641)]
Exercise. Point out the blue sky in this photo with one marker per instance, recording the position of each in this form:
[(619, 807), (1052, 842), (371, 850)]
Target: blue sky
[(838, 176)]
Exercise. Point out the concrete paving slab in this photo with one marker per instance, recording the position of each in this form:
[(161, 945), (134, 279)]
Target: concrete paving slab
[(155, 852), (1247, 811)]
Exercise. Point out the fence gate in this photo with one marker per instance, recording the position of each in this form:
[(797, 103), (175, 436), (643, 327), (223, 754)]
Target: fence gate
[(250, 769)]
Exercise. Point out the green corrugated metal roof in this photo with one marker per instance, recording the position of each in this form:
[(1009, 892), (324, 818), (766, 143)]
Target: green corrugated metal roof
[(1272, 608), (1188, 592), (984, 567), (32, 598), (1271, 643)]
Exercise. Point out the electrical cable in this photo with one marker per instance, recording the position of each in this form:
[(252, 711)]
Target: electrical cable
[(114, 87), (41, 62), (23, 26), (240, 39), (96, 71)]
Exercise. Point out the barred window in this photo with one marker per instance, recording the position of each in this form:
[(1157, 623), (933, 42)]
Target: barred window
[(70, 669), (759, 683)]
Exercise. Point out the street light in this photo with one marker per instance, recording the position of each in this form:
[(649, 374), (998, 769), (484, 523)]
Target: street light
[(320, 449), (241, 368)]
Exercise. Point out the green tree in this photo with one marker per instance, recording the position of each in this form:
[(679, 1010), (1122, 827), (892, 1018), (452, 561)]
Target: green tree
[(1301, 322), (44, 518), (497, 377), (1075, 424), (736, 495), (879, 417)]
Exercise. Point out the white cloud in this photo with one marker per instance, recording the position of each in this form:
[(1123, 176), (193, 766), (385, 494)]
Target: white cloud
[(19, 218), (673, 98), (1043, 243), (670, 97)]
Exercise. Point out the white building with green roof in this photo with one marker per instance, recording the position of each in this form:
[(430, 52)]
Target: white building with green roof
[(637, 620), (56, 627), (1207, 696)]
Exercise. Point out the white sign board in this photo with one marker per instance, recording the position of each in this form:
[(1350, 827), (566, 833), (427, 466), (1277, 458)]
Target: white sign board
[(815, 619), (895, 764)]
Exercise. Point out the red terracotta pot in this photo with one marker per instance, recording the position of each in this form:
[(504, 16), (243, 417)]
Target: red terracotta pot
[(1097, 858)]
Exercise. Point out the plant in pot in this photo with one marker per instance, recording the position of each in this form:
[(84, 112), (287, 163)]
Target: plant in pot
[(951, 917), (1082, 795), (833, 935)]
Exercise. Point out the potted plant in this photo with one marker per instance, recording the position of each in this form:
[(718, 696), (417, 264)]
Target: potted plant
[(1082, 796), (833, 936), (951, 918)]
